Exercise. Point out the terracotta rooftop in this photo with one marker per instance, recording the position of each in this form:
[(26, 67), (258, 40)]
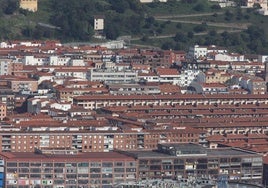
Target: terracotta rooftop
[(167, 71)]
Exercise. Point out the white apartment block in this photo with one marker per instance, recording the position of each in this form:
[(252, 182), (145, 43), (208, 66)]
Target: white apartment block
[(98, 23), (229, 57), (187, 77), (4, 66), (34, 61), (201, 52), (58, 61), (197, 52), (112, 76), (70, 73), (263, 58)]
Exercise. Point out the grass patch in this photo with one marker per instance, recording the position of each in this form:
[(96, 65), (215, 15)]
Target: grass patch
[(174, 7)]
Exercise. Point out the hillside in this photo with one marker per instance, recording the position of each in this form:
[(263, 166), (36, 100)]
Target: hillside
[(176, 24)]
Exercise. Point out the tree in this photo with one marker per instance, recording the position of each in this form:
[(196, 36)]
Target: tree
[(180, 37), (145, 38), (111, 31), (150, 20), (10, 6), (228, 15), (178, 25), (199, 7), (119, 5), (167, 45), (190, 34), (200, 28), (213, 32), (215, 7)]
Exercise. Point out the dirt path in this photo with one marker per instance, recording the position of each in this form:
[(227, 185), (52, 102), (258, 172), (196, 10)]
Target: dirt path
[(187, 15), (197, 34), (227, 25)]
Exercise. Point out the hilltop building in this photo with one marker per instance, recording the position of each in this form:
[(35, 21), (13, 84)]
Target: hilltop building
[(98, 25), (30, 5)]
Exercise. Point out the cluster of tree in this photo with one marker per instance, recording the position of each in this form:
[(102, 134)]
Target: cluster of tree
[(75, 17), (8, 6), (252, 40)]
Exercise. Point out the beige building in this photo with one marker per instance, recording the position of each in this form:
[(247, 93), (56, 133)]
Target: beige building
[(3, 111), (262, 3), (98, 23), (23, 84), (30, 5), (216, 76)]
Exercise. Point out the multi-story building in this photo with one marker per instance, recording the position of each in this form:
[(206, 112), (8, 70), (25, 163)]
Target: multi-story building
[(255, 85), (216, 76), (187, 77), (182, 161), (8, 98), (100, 101), (67, 169), (104, 138), (99, 23), (112, 76), (3, 111), (133, 89), (209, 88), (197, 52), (23, 84), (4, 66)]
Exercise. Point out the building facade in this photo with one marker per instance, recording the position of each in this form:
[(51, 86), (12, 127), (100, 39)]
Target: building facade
[(67, 170), (184, 161)]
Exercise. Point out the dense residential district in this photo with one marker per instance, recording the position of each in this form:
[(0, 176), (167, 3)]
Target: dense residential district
[(108, 116)]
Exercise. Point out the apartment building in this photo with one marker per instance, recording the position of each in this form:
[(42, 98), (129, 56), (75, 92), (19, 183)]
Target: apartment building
[(4, 66), (216, 76), (67, 170), (100, 101), (112, 76), (98, 23), (10, 67), (3, 111), (184, 161), (101, 138), (255, 85), (8, 98), (209, 88), (23, 84), (127, 89)]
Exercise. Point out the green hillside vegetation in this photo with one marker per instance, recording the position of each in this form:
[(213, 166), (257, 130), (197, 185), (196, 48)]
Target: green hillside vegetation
[(158, 24)]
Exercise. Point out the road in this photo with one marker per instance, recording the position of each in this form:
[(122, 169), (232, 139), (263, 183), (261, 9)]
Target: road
[(187, 15), (197, 34), (227, 25), (230, 27)]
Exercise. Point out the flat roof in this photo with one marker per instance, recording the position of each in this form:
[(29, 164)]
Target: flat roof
[(80, 157), (230, 152)]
